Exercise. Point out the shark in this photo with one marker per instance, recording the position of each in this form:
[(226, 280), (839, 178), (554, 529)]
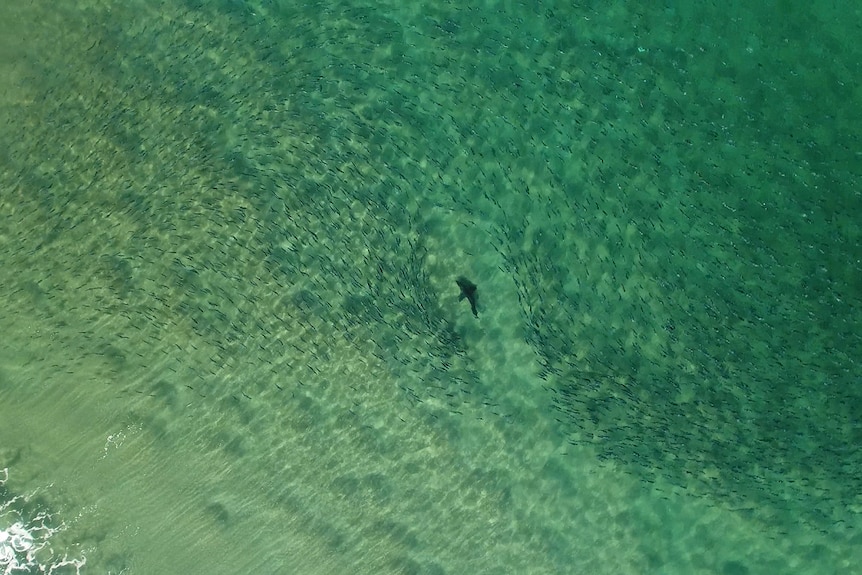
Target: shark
[(468, 292)]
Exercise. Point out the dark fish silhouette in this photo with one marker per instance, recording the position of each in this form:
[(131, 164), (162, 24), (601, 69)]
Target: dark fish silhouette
[(468, 290)]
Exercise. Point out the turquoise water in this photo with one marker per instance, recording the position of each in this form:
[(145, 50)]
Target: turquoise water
[(232, 336)]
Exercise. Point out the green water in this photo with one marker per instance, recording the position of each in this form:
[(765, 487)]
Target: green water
[(232, 340)]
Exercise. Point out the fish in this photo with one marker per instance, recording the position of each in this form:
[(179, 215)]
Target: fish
[(468, 291)]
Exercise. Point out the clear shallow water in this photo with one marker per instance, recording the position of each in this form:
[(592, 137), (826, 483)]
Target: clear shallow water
[(232, 335)]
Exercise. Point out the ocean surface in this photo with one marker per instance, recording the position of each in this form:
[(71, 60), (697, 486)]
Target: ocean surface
[(231, 337)]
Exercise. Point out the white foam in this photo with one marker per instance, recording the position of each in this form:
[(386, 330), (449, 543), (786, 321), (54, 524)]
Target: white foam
[(25, 542)]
